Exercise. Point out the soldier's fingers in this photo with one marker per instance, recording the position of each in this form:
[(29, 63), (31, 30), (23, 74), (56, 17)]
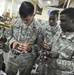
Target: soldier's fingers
[(45, 46), (22, 48)]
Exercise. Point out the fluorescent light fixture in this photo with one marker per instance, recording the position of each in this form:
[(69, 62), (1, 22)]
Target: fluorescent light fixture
[(48, 2)]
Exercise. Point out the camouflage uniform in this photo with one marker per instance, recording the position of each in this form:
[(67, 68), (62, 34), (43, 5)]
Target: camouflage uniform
[(50, 32), (5, 48), (65, 47), (3, 32), (6, 32), (23, 34), (40, 21)]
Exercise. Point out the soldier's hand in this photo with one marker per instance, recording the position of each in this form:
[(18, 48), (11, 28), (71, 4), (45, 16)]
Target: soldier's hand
[(25, 48), (47, 46), (14, 44)]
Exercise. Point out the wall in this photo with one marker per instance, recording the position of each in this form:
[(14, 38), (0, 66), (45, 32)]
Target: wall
[(2, 6), (44, 15), (15, 8), (72, 4), (9, 6)]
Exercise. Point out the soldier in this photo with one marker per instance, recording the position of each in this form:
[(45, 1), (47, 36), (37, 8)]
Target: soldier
[(23, 41), (65, 44), (3, 48), (50, 29)]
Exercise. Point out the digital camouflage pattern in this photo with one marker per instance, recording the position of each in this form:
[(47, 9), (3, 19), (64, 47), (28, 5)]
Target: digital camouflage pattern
[(24, 34), (4, 32), (3, 48), (50, 32), (65, 47)]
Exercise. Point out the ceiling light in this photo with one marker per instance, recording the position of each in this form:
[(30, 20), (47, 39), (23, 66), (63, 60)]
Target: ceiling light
[(48, 2)]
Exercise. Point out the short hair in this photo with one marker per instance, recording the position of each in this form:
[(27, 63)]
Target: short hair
[(26, 9), (69, 12), (55, 12)]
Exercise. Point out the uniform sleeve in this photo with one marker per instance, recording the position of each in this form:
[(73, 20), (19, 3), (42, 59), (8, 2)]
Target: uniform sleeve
[(11, 38), (65, 59), (38, 42), (65, 65), (3, 40)]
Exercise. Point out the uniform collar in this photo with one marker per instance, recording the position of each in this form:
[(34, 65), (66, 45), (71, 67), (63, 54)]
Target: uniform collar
[(68, 35), (28, 24)]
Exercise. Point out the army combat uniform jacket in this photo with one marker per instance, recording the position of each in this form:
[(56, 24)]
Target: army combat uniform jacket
[(65, 47), (23, 34), (3, 47), (50, 32)]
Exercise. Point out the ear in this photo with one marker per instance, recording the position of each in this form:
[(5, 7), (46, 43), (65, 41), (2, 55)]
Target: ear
[(72, 21), (34, 14), (1, 53)]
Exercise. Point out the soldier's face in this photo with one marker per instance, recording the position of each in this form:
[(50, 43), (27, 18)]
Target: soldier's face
[(28, 19), (52, 20), (66, 23)]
